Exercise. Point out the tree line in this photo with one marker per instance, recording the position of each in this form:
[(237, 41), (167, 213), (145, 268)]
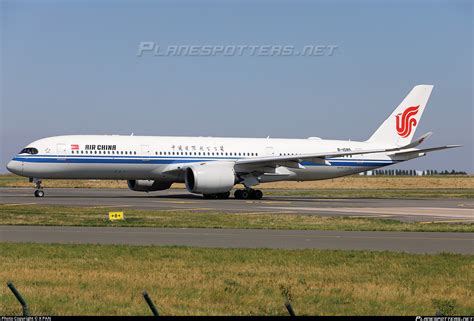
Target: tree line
[(412, 172)]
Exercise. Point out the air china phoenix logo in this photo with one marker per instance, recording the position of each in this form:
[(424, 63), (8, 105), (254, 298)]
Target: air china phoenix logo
[(405, 121)]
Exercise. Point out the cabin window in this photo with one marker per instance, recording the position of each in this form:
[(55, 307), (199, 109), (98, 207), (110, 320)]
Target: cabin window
[(29, 150)]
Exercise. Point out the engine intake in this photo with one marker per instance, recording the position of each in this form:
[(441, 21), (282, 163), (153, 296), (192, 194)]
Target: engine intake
[(210, 178), (147, 185)]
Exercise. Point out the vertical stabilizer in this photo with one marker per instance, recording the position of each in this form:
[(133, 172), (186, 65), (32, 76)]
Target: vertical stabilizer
[(399, 128)]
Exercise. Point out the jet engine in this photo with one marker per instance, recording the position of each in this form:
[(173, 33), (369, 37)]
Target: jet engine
[(147, 185), (210, 178)]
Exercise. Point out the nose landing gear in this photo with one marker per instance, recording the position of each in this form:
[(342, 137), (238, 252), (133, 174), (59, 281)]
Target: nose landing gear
[(248, 193), (38, 188)]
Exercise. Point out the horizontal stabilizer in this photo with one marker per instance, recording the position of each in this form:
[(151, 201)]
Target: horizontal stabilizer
[(425, 150), (419, 140)]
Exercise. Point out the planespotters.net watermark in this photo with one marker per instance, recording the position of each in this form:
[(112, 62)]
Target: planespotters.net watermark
[(153, 49)]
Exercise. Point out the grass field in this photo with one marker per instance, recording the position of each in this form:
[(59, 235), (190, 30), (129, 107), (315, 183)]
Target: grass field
[(90, 216), (108, 280)]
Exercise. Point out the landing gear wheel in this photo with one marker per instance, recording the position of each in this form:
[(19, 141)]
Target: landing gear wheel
[(245, 194), (253, 194), (220, 196), (223, 196), (257, 194), (38, 188), (238, 194)]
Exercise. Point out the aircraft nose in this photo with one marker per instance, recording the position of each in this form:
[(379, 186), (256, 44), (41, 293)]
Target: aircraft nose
[(14, 167)]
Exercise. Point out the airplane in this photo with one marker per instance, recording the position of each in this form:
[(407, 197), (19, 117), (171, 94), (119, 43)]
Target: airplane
[(211, 166)]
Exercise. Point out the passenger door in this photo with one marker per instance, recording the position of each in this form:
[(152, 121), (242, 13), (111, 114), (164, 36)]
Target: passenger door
[(61, 151), (269, 151), (145, 152)]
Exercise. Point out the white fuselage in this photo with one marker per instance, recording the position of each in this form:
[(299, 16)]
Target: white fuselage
[(160, 158)]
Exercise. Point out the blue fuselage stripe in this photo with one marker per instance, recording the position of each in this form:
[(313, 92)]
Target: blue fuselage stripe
[(79, 159)]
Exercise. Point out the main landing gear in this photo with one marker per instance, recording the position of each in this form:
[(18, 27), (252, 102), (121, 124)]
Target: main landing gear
[(241, 194), (220, 196), (248, 193), (38, 188)]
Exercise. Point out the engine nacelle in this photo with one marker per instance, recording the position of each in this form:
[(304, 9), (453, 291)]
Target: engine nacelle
[(210, 178), (148, 185)]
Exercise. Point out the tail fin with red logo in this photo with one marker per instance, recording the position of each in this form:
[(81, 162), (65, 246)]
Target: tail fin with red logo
[(398, 129)]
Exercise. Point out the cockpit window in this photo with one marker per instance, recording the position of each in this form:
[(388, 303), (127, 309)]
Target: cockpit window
[(29, 150)]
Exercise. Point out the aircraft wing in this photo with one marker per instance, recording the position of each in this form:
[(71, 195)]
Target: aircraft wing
[(294, 160)]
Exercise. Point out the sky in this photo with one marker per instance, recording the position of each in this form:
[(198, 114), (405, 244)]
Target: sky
[(71, 67)]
